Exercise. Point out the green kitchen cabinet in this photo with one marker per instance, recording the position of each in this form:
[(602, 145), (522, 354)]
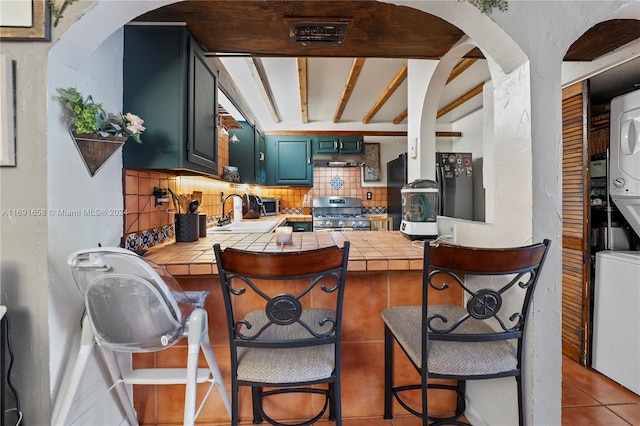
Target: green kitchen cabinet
[(242, 152), (248, 154), (337, 145), (260, 161), (170, 84), (288, 161)]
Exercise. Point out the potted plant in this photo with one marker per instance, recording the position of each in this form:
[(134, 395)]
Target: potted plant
[(88, 117), (96, 133)]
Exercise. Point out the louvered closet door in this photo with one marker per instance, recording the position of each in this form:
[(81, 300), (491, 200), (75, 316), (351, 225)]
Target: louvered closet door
[(575, 223)]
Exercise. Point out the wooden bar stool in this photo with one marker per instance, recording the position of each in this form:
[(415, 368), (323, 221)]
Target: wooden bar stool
[(380, 223)]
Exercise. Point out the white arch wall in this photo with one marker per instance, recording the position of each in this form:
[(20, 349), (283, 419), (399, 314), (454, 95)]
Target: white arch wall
[(528, 206), (507, 163)]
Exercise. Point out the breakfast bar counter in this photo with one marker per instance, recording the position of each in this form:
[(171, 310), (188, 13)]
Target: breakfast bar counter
[(385, 269), (370, 250)]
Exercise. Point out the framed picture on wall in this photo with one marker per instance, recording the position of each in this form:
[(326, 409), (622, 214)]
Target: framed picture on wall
[(371, 166), (25, 20)]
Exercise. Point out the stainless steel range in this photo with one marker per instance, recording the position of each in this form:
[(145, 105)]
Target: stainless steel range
[(339, 213)]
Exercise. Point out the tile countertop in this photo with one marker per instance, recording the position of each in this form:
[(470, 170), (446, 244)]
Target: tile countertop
[(370, 250)]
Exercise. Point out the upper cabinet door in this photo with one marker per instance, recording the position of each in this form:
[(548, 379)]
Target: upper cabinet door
[(338, 145), (260, 159), (289, 161), (327, 145), (242, 152), (202, 145), (168, 83), (351, 145)]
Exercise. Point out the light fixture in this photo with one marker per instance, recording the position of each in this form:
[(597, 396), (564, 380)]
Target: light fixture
[(234, 139), (221, 127)]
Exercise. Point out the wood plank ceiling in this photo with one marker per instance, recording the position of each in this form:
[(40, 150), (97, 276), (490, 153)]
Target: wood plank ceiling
[(261, 29)]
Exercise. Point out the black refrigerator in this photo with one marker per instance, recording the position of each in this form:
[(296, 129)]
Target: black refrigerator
[(454, 174), (396, 179)]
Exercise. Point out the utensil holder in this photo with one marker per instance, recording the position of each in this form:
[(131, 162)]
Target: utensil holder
[(186, 227)]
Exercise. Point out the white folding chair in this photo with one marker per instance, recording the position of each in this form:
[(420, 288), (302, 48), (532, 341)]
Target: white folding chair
[(133, 305)]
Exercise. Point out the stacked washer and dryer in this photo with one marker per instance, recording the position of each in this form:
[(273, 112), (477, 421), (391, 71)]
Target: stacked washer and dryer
[(616, 319)]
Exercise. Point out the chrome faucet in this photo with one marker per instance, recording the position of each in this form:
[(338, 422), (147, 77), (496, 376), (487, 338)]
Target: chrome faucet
[(224, 200)]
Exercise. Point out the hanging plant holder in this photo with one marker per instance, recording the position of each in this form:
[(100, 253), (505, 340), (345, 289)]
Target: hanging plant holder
[(95, 149)]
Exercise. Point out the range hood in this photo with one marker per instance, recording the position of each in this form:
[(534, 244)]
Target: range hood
[(338, 160)]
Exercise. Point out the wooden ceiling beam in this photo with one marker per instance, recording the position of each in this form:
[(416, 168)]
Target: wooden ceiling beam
[(460, 68), (457, 70), (402, 133), (400, 118), (462, 99), (399, 78), (302, 85), (260, 77), (448, 134), (354, 73)]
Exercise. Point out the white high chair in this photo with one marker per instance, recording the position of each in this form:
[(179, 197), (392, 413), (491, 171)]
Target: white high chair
[(133, 305)]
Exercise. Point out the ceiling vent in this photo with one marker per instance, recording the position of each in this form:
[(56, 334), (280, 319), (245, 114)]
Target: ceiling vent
[(312, 33)]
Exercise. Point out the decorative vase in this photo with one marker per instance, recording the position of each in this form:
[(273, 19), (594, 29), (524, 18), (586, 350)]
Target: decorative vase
[(96, 149)]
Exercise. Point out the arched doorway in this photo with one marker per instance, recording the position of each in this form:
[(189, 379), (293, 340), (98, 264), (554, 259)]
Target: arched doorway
[(68, 52), (586, 123)]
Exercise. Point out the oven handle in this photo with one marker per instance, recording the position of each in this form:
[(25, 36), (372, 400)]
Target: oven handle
[(338, 229)]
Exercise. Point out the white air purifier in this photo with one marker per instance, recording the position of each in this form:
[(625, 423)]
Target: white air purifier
[(420, 210)]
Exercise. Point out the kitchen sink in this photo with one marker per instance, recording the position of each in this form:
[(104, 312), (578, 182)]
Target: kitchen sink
[(262, 226)]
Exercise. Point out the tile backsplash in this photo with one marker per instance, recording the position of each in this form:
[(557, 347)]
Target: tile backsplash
[(147, 224)]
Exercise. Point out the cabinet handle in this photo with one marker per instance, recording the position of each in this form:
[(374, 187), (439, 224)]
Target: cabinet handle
[(335, 145), (309, 161), (261, 156), (341, 146)]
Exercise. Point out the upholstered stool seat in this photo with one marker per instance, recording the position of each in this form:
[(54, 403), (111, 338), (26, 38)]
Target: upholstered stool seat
[(445, 357), (284, 318), (287, 365), (482, 338)]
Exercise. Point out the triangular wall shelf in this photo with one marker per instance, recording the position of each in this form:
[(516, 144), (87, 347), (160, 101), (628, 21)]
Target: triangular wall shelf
[(95, 149)]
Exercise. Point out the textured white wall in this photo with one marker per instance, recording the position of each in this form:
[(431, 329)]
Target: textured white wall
[(528, 46), (75, 191), (419, 74)]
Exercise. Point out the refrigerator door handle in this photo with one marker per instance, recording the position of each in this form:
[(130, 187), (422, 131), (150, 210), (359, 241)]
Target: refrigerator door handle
[(440, 181)]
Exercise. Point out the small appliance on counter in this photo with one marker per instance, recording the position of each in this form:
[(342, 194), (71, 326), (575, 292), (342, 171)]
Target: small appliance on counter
[(419, 210), (270, 206), (252, 207)]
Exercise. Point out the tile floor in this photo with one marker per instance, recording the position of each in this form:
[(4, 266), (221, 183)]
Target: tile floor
[(588, 398)]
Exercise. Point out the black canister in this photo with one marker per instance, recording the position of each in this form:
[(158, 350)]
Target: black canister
[(202, 225), (186, 227)]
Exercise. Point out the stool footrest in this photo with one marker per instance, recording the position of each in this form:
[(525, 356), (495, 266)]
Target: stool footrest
[(162, 376)]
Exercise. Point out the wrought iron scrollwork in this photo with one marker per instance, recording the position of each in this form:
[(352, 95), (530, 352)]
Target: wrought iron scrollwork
[(283, 309), (484, 304)]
